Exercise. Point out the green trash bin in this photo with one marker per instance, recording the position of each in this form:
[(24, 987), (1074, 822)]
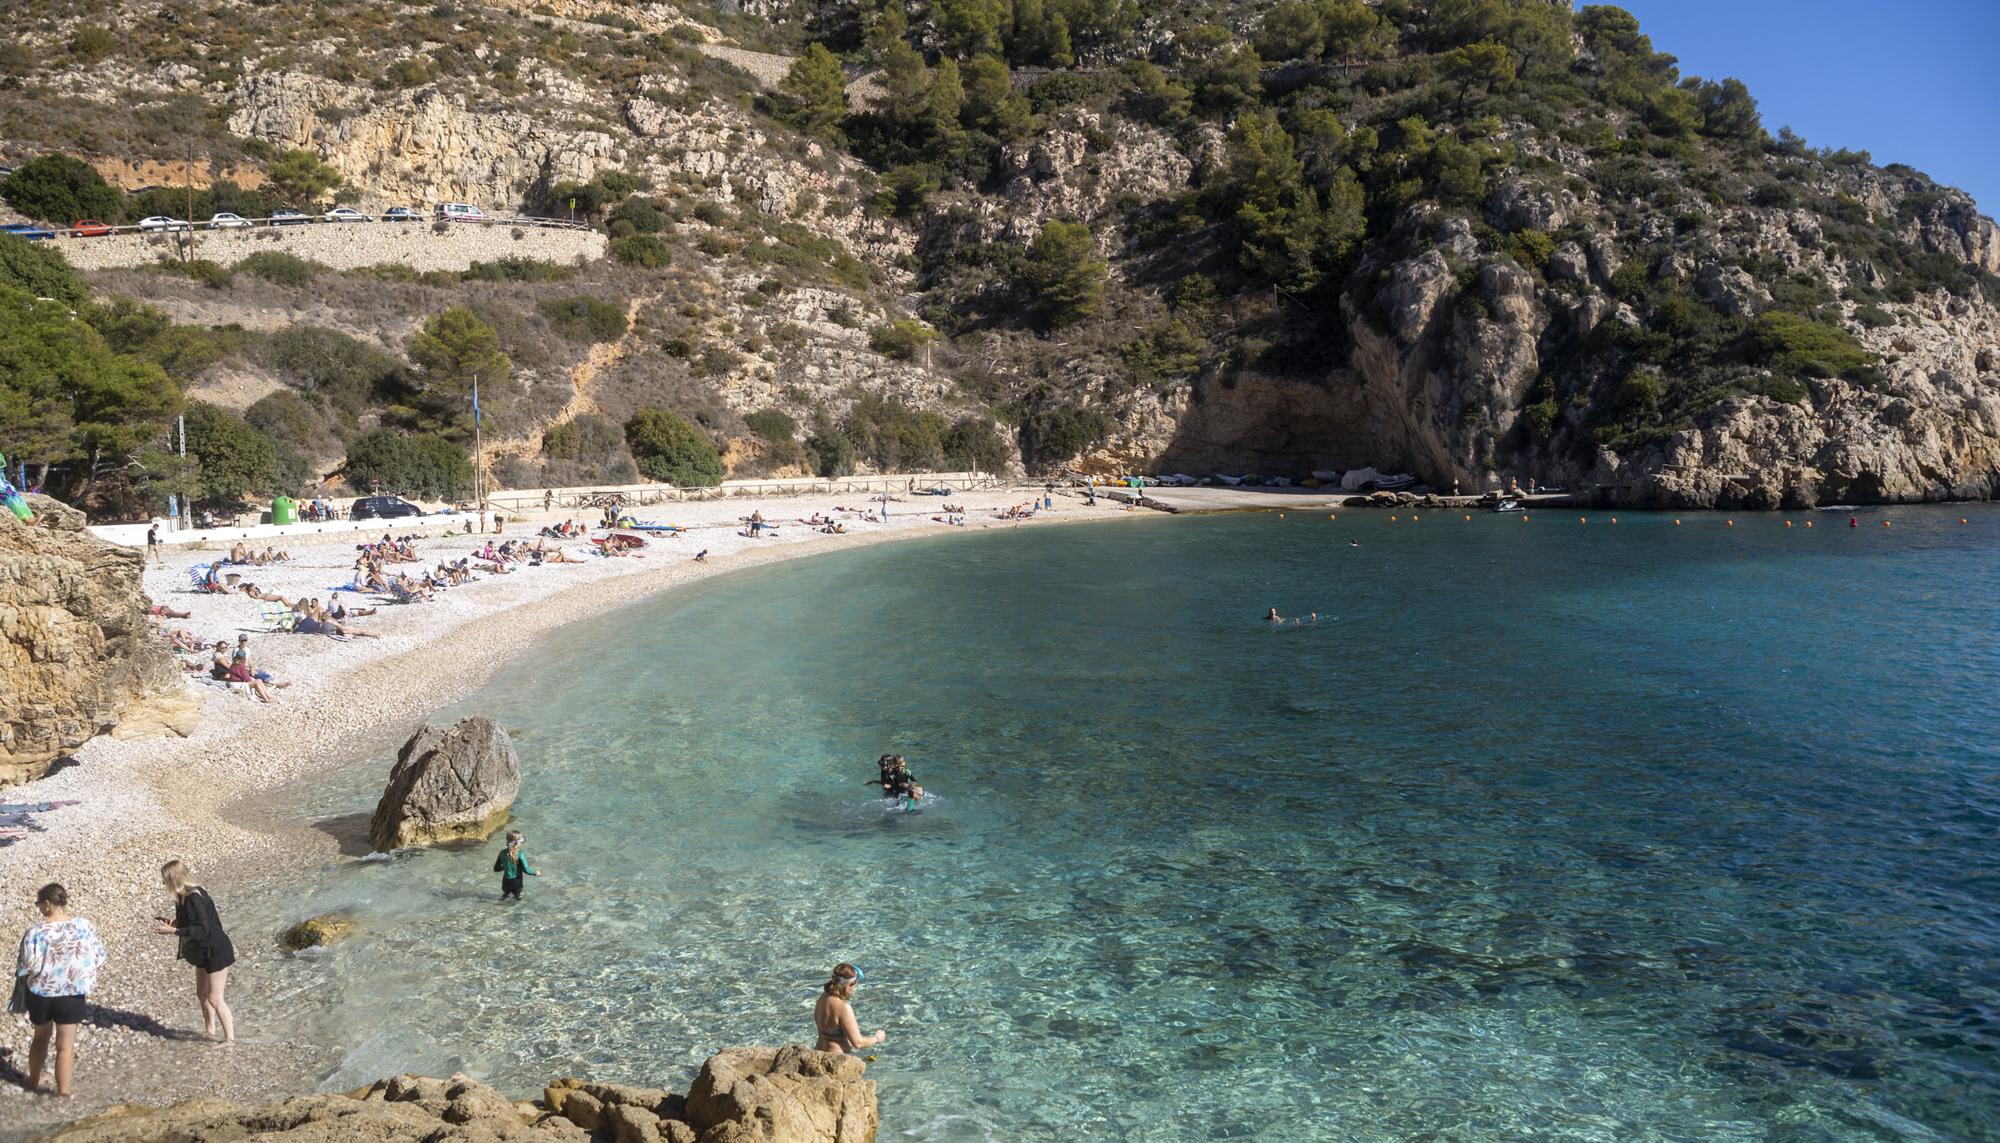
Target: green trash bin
[(284, 510)]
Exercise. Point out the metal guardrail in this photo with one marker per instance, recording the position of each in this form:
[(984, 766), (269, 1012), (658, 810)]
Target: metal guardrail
[(181, 226)]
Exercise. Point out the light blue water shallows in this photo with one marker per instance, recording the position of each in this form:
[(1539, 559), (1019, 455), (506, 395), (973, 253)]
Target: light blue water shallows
[(1545, 831)]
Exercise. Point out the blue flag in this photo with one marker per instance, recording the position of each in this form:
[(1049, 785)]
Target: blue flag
[(475, 400)]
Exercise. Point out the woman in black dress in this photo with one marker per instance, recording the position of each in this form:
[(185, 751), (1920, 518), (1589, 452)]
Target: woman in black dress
[(203, 945)]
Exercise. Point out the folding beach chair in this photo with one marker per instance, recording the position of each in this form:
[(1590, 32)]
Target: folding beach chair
[(276, 616)]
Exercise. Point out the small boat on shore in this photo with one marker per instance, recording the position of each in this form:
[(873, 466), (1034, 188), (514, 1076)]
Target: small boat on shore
[(1509, 506)]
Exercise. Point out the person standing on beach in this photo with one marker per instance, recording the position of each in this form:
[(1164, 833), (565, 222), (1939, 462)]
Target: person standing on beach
[(512, 865), (833, 1015), (58, 966), (153, 545), (203, 944)]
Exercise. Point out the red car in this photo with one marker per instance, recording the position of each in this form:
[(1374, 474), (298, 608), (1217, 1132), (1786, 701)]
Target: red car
[(88, 228)]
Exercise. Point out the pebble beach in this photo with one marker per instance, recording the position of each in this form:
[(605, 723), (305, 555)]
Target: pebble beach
[(197, 799)]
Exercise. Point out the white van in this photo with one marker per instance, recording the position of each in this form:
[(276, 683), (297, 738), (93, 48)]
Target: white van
[(459, 212)]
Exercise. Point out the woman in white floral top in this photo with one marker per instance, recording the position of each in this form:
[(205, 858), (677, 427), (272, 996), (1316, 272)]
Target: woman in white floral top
[(59, 962)]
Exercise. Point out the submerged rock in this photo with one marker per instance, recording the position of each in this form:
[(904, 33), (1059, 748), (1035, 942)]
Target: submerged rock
[(448, 785), (318, 932)]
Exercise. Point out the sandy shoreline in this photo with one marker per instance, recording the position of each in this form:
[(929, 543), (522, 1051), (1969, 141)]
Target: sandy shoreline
[(196, 799)]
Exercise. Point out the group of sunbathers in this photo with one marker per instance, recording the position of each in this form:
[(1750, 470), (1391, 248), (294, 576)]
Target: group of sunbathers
[(567, 530), (243, 555)]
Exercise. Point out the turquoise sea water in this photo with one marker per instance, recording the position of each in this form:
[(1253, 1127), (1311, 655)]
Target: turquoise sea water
[(1544, 831)]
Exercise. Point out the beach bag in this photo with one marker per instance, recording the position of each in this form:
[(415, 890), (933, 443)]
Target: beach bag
[(18, 1003)]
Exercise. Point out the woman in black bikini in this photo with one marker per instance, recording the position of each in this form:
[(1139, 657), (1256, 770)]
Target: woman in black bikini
[(833, 1016)]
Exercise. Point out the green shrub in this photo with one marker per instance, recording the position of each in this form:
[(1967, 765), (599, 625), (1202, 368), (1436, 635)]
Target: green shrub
[(1063, 275), (514, 269), (1795, 346), (671, 450), (772, 424), (347, 372), (214, 275), (642, 216), (899, 339), (422, 465), (642, 250), (975, 444), (588, 437), (41, 270), (279, 267), (61, 190), (584, 318), (235, 459), (1053, 434)]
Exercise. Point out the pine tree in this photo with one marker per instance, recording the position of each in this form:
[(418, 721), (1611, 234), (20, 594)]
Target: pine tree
[(815, 91)]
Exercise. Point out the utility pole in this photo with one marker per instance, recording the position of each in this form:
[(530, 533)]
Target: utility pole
[(181, 475), (187, 177)]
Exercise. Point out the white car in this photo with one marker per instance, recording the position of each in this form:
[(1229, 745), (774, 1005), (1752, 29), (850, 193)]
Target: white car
[(227, 220), (162, 222), (345, 214)]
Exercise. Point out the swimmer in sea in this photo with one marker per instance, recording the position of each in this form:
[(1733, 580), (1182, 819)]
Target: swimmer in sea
[(1272, 616)]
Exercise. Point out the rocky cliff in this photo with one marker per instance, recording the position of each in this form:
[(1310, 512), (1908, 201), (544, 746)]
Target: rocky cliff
[(75, 656), (1470, 240), (743, 1095)]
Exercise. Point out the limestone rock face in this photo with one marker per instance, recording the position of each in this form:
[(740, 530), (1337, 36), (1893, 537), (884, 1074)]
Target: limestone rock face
[(76, 656), (782, 1095), (448, 785)]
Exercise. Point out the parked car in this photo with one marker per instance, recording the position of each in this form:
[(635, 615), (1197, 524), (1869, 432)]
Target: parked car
[(402, 214), (382, 508), (286, 216), (162, 222), (27, 230), (459, 212), (88, 228), (227, 220), (345, 214)]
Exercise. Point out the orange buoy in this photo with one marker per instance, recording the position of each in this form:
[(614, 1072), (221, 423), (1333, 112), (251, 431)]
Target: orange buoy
[(1732, 523), (1331, 516), (1788, 523), (1808, 523), (1392, 519), (1414, 519), (1677, 523), (1582, 520), (1961, 519), (1524, 518), (1468, 519), (1614, 519), (1885, 523)]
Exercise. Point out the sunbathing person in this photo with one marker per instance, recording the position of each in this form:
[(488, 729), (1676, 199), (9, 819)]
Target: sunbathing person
[(238, 555), (255, 592), (162, 611)]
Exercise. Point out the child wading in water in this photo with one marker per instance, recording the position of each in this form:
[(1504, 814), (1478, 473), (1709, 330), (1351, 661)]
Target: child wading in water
[(512, 865)]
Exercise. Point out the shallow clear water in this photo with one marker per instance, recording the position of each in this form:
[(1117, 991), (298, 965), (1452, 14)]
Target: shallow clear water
[(1544, 831)]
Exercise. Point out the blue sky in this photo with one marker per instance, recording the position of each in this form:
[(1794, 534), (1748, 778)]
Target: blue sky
[(1909, 81)]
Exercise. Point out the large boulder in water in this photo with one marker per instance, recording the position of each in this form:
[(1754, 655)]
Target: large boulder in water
[(448, 785), (77, 656), (782, 1095)]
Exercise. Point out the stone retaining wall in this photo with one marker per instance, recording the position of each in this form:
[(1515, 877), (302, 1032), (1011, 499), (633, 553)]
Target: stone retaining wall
[(345, 246)]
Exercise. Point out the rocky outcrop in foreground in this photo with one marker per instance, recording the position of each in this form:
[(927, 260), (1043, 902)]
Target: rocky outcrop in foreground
[(743, 1095), (76, 659), (448, 785)]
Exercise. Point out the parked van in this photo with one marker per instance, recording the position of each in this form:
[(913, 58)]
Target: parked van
[(459, 212)]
